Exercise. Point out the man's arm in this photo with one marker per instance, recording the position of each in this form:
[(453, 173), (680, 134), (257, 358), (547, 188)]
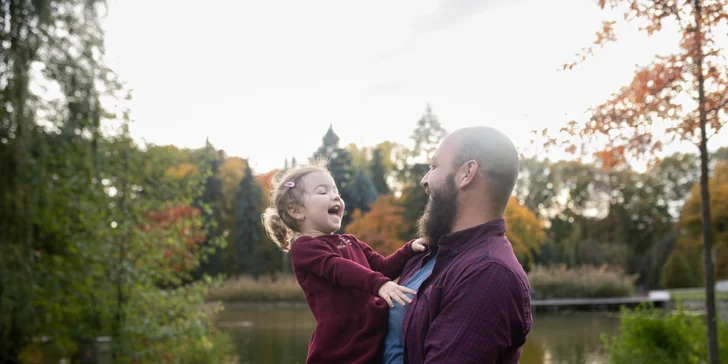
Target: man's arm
[(319, 259), (482, 316)]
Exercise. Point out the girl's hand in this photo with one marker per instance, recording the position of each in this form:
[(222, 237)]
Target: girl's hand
[(419, 245), (393, 291)]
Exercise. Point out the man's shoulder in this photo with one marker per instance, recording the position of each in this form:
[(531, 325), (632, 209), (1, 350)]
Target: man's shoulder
[(486, 262)]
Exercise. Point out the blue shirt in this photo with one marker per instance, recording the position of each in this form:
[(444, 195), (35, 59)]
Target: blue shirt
[(394, 343)]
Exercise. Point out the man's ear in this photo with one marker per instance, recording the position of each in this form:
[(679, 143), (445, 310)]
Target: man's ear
[(466, 173), (296, 212)]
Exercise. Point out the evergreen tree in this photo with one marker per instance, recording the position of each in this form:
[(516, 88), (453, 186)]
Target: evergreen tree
[(249, 234), (341, 170), (378, 172), (362, 192), (211, 203), (427, 135)]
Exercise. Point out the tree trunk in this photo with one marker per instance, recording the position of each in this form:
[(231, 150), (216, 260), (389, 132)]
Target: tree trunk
[(713, 357)]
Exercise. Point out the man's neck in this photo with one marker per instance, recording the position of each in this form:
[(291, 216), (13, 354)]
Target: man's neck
[(472, 217)]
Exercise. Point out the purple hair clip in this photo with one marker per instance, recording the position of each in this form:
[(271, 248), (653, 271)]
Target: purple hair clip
[(289, 184)]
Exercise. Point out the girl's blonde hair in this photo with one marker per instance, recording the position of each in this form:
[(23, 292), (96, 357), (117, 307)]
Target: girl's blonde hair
[(286, 191)]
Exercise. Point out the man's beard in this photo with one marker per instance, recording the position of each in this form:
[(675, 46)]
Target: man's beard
[(439, 213)]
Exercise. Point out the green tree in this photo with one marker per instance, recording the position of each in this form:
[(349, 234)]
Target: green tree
[(427, 135), (537, 187), (80, 252), (212, 204), (249, 234), (696, 72), (378, 172), (340, 165), (361, 192)]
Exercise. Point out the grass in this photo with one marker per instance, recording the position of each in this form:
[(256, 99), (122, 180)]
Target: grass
[(696, 295), (282, 288)]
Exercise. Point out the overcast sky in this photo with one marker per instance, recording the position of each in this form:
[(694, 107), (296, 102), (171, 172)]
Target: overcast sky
[(264, 79)]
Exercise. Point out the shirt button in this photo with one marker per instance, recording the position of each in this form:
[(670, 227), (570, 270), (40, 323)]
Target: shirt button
[(454, 251)]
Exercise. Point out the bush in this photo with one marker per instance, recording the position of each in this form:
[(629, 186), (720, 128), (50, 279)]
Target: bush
[(581, 282), (265, 289), (647, 335), (683, 269)]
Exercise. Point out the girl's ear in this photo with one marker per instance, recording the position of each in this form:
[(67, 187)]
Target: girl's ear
[(296, 212)]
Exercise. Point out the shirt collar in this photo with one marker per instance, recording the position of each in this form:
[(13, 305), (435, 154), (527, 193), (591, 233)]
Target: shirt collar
[(464, 238)]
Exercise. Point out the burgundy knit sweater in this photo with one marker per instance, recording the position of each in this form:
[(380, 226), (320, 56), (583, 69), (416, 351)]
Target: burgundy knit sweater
[(340, 277)]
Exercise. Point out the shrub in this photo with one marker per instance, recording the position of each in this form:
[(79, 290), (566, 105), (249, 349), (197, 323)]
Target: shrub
[(647, 335), (581, 282), (265, 289)]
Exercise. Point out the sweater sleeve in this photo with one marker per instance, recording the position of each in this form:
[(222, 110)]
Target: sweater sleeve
[(318, 258), (391, 266)]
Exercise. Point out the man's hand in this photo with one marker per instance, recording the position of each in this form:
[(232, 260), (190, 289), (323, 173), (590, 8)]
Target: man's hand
[(391, 290), (419, 245)]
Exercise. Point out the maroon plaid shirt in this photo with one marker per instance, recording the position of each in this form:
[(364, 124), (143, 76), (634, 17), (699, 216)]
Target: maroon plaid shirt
[(475, 307)]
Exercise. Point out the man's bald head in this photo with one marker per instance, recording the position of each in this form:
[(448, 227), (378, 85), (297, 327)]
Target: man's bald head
[(496, 156)]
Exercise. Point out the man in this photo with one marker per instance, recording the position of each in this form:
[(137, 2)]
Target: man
[(473, 297)]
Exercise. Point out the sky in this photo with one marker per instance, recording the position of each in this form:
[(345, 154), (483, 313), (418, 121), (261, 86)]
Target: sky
[(264, 79)]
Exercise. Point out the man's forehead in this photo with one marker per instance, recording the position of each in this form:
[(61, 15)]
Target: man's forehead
[(444, 150)]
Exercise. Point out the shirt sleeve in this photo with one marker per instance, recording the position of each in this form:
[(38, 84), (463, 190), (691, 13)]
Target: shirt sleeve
[(318, 258), (390, 266), (485, 314)]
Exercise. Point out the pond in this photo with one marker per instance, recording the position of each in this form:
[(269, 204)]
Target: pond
[(275, 335)]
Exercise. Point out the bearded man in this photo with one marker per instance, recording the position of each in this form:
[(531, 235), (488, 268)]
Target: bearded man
[(473, 297)]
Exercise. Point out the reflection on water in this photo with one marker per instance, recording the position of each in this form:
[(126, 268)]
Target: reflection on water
[(273, 335)]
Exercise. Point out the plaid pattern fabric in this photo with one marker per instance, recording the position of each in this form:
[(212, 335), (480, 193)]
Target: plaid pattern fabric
[(475, 307)]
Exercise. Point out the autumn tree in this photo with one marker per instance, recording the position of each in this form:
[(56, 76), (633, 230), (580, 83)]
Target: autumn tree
[(382, 227), (682, 269), (525, 231), (684, 94)]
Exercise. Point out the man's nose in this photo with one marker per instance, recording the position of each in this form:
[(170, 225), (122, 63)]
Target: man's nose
[(424, 182)]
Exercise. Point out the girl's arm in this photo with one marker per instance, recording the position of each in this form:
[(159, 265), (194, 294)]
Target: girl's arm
[(391, 266), (318, 258)]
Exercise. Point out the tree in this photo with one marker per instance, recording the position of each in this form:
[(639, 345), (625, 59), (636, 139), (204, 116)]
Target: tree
[(340, 165), (525, 231), (359, 156), (690, 239), (361, 192), (79, 255), (382, 227), (537, 187), (212, 205), (655, 96), (249, 202), (378, 172), (427, 135), (414, 199), (59, 44)]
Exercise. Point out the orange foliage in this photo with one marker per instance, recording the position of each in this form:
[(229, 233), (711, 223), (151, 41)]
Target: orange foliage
[(524, 230), (658, 92), (181, 171), (381, 227), (265, 180), (177, 227), (230, 173)]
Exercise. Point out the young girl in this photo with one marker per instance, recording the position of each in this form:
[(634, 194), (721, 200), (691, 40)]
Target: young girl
[(341, 276)]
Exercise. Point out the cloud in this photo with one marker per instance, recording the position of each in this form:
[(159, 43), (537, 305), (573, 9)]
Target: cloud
[(448, 14)]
